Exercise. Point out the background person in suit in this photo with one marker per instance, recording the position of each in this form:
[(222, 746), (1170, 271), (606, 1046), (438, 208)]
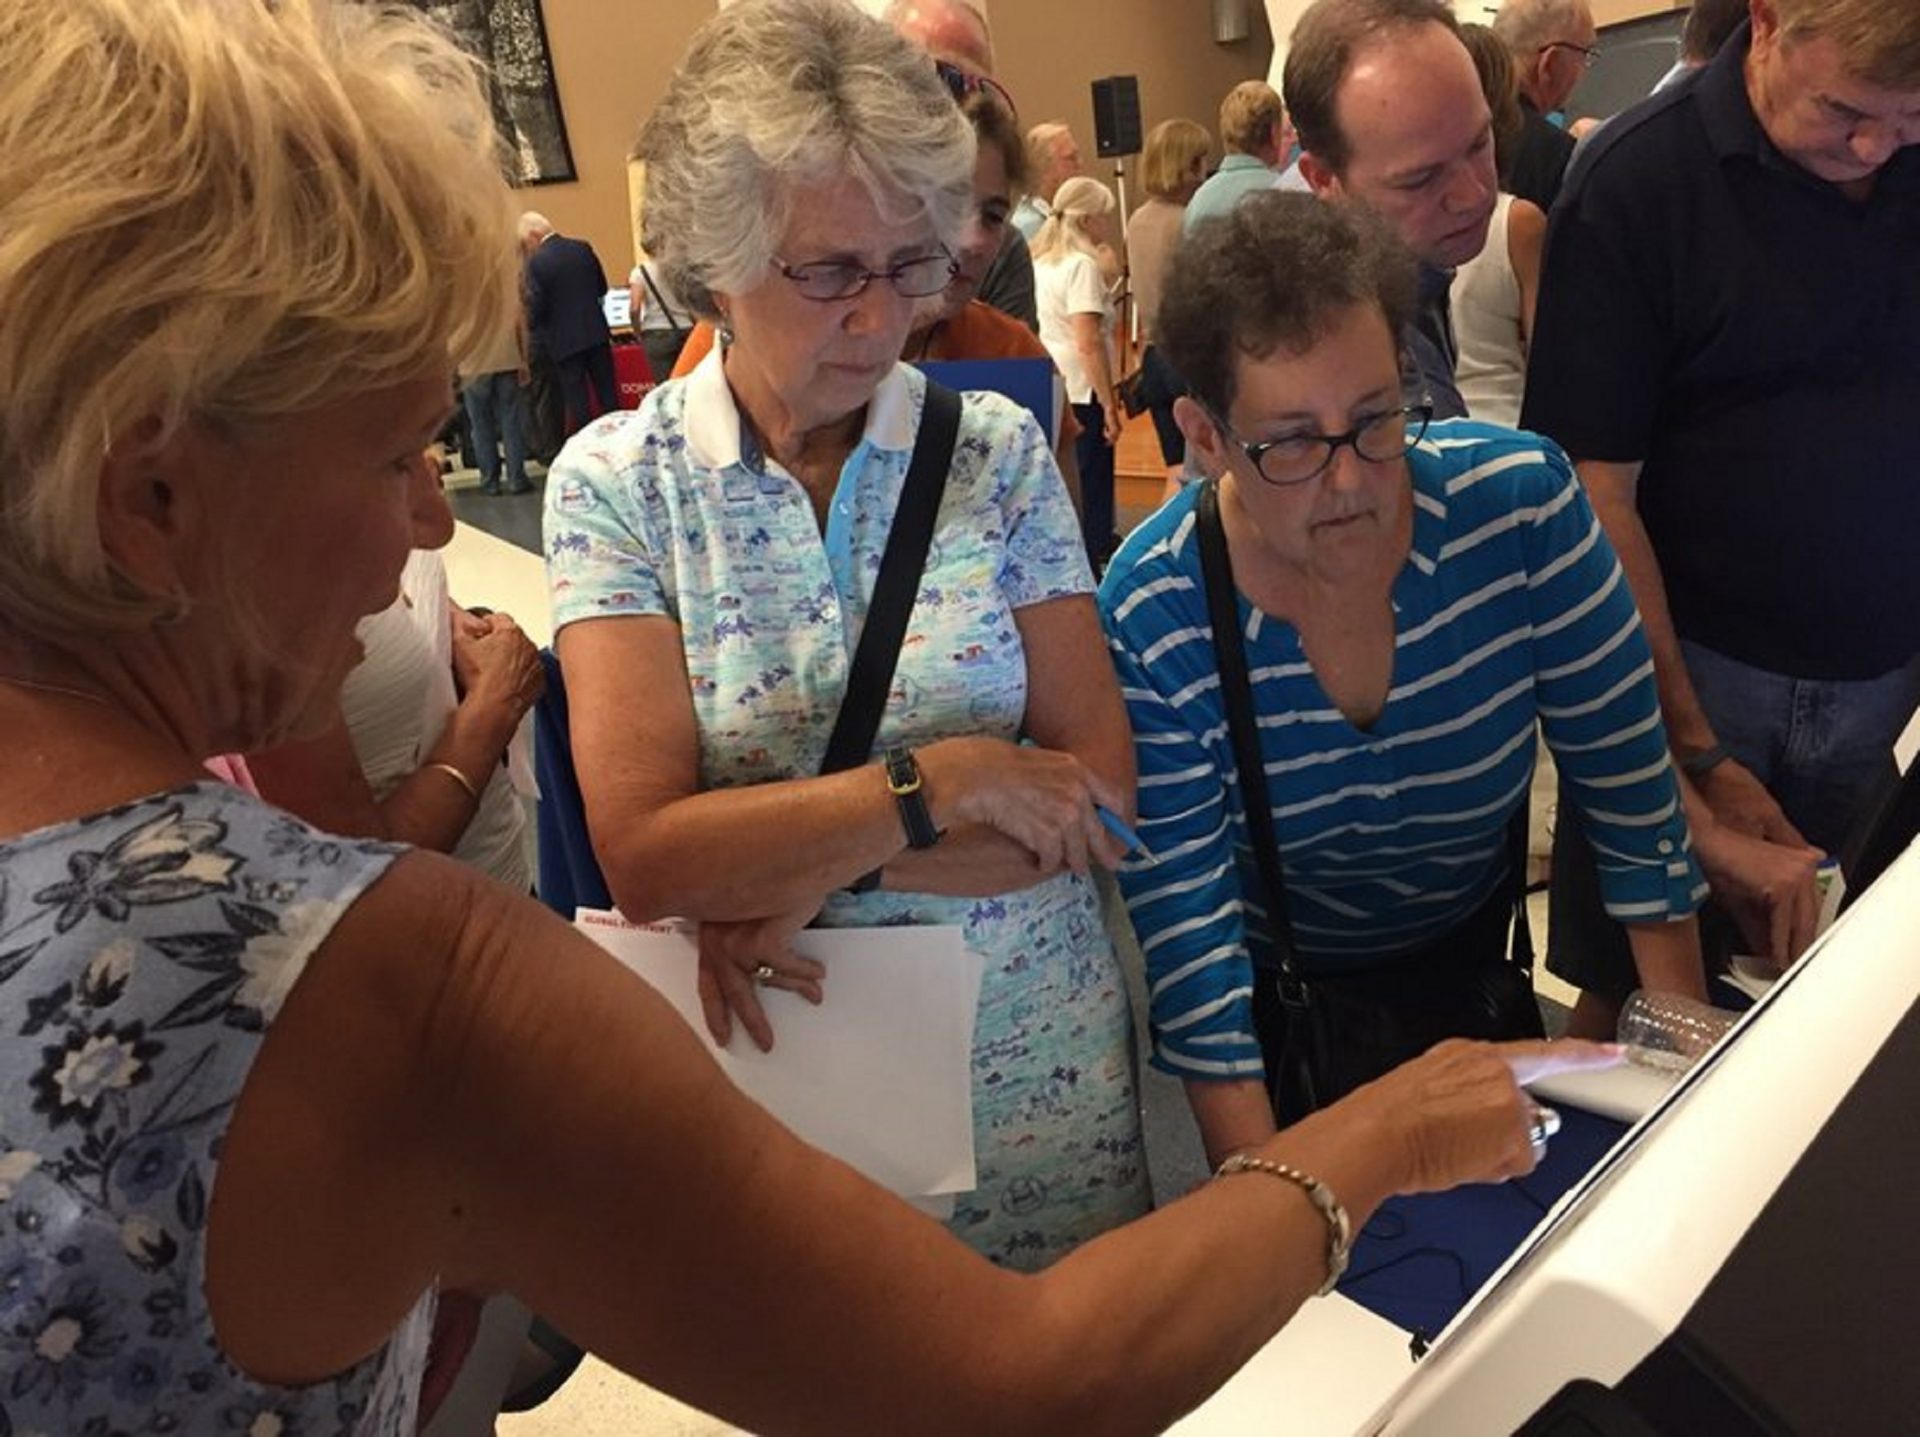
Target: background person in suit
[(565, 322)]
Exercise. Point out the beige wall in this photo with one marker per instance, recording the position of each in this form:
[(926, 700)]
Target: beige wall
[(1612, 12), (611, 60), (1050, 51)]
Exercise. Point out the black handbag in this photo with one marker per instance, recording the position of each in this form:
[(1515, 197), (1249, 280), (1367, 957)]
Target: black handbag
[(1322, 1035)]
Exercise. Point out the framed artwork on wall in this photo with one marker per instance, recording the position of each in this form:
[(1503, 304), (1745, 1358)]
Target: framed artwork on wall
[(510, 39)]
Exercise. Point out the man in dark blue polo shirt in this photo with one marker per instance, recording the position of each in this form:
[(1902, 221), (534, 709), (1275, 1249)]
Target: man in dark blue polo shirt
[(1728, 344), (1391, 116)]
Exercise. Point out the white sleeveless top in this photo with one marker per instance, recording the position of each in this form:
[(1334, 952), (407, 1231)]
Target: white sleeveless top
[(1492, 368), (397, 700)]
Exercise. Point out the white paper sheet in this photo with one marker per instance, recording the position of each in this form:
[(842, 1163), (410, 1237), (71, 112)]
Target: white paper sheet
[(879, 1075)]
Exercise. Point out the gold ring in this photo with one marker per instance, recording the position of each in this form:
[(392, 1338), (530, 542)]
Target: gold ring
[(764, 974)]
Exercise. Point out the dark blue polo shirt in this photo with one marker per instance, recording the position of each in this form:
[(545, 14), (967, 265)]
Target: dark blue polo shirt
[(1428, 352), (1753, 337)]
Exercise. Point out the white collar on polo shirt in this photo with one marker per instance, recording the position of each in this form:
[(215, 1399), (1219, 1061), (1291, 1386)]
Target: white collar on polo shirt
[(714, 430)]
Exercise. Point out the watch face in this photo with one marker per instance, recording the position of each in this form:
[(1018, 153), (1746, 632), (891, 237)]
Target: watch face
[(903, 774)]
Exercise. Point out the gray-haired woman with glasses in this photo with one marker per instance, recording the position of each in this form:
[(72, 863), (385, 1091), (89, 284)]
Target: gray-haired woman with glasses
[(713, 560), (1411, 597)]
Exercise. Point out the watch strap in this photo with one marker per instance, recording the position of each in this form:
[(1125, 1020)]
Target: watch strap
[(904, 782), (1700, 764)]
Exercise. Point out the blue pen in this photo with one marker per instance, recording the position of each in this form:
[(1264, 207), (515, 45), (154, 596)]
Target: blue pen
[(1118, 828)]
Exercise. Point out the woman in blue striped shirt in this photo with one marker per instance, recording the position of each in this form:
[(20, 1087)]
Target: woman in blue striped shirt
[(1413, 598)]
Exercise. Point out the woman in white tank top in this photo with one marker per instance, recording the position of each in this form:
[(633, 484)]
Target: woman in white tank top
[(1493, 293), (422, 752), (1493, 299)]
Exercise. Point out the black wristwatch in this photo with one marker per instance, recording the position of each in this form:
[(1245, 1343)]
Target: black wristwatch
[(1699, 765), (904, 783)]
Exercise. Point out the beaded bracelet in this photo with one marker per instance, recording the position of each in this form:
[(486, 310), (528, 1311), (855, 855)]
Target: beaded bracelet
[(1339, 1230)]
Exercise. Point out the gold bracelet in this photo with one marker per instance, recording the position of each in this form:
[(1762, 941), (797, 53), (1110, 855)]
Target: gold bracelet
[(1339, 1230), (458, 777)]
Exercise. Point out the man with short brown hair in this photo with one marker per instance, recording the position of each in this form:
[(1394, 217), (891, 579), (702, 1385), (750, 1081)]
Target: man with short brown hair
[(1391, 116)]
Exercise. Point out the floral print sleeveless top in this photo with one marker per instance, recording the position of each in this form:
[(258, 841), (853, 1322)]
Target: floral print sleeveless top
[(143, 954)]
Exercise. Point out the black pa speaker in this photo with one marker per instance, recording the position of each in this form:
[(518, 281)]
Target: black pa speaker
[(1116, 116)]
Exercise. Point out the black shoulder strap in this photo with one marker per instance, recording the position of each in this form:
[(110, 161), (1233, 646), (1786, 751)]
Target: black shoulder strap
[(898, 583), (673, 320), (1236, 695)]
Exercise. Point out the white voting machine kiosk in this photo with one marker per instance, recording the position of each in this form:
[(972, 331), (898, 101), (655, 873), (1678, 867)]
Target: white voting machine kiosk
[(1747, 1260)]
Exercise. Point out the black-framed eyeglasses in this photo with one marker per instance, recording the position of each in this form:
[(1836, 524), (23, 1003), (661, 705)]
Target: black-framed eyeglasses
[(826, 280), (1296, 458), (1588, 53), (962, 83)]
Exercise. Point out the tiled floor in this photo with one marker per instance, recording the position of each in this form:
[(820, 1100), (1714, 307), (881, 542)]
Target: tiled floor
[(493, 561)]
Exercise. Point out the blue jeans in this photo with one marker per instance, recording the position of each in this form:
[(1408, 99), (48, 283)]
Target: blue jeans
[(1822, 747), (495, 417)]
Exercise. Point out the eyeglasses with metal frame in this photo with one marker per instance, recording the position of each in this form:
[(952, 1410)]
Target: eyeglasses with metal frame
[(827, 280), (1296, 458), (1588, 53)]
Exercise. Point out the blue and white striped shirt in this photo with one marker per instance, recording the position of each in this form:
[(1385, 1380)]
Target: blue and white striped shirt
[(1511, 607)]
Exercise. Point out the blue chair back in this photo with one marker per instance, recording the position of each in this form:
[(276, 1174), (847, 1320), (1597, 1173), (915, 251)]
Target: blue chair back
[(570, 876)]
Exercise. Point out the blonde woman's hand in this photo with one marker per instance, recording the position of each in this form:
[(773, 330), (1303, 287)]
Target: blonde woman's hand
[(1041, 798), (738, 959), (1459, 1114)]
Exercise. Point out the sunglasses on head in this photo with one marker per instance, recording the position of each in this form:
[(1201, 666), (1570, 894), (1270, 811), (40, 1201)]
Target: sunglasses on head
[(962, 83)]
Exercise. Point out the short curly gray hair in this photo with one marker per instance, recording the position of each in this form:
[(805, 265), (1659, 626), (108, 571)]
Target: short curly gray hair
[(776, 97)]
